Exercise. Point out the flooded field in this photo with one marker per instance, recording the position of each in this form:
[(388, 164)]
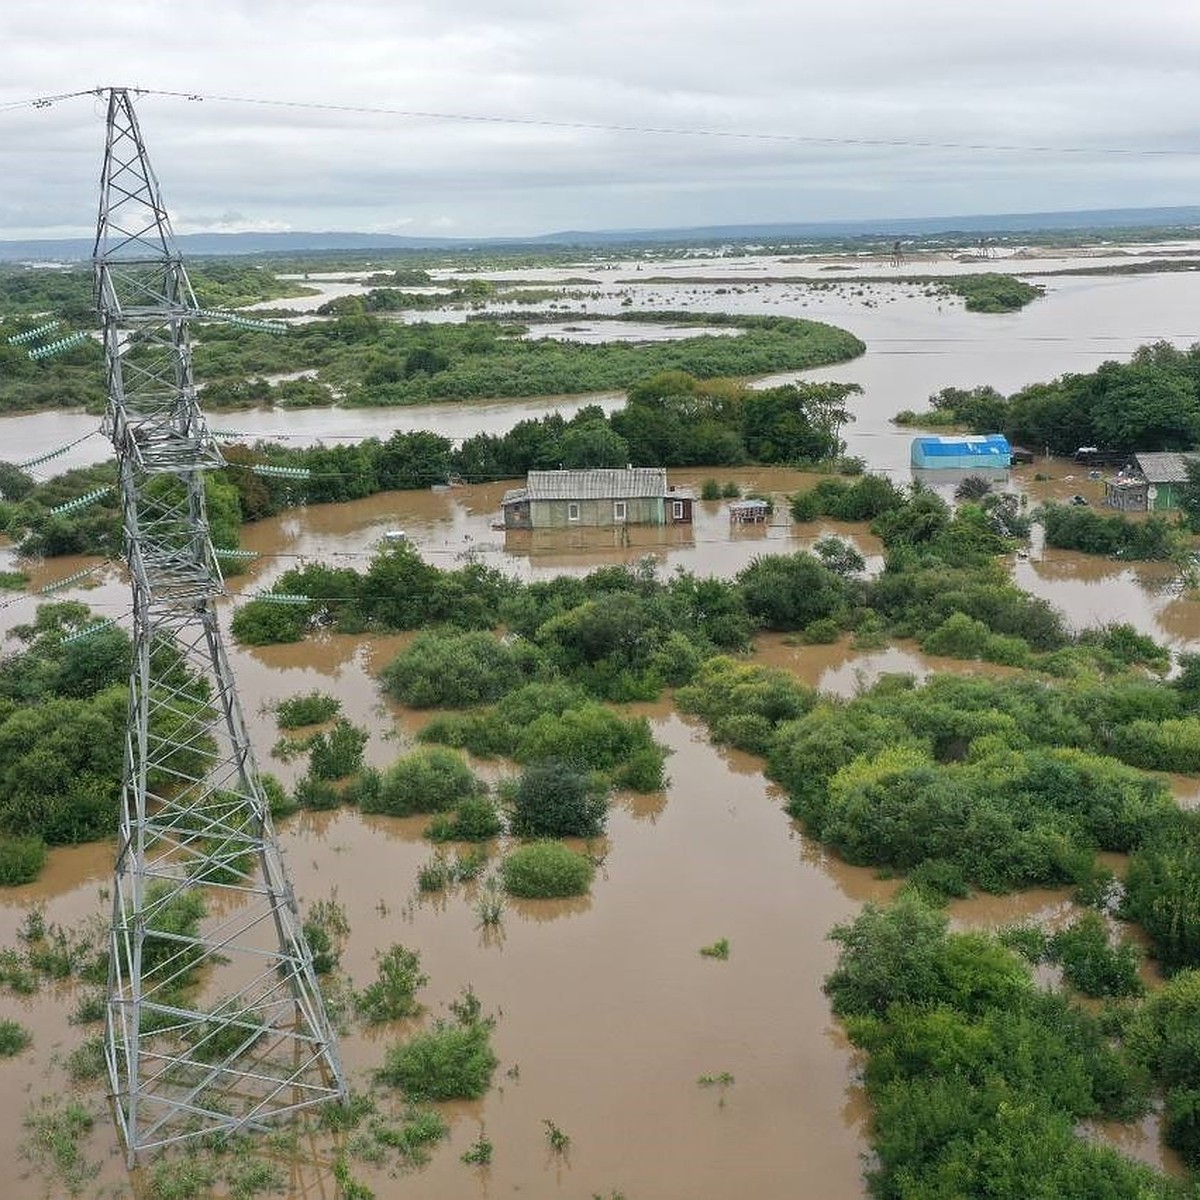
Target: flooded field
[(607, 1015)]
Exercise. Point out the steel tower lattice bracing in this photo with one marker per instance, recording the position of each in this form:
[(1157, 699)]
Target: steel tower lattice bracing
[(215, 1021)]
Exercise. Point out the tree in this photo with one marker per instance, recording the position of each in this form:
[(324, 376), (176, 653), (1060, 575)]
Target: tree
[(593, 444)]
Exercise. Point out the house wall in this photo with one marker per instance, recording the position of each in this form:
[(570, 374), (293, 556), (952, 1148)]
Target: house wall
[(669, 502), (1125, 498), (554, 514), (516, 516), (1168, 498)]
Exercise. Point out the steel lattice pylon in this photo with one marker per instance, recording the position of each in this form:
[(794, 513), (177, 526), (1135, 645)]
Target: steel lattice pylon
[(214, 1020)]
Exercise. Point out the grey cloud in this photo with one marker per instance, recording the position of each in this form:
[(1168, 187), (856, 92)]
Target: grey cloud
[(1095, 74)]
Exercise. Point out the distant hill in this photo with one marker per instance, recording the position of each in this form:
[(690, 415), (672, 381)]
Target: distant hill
[(1182, 219)]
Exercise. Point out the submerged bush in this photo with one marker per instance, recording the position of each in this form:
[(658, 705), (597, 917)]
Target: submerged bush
[(1165, 1038), (1090, 963), (338, 752), (21, 860), (977, 1078), (13, 1038), (473, 820), (458, 670), (545, 870), (449, 1062), (309, 709), (554, 800), (428, 780), (392, 993)]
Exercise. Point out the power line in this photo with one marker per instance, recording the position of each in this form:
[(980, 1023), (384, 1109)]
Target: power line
[(38, 102)]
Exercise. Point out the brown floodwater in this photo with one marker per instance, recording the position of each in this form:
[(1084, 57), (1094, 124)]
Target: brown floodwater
[(606, 1012)]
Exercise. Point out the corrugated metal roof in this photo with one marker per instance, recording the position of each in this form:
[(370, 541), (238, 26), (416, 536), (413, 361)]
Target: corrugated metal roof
[(600, 484), (1164, 467)]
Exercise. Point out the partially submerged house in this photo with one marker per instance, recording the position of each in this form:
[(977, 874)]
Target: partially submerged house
[(603, 497), (1149, 482), (962, 452)]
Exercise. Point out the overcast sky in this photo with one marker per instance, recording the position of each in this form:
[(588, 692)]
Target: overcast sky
[(1091, 74)]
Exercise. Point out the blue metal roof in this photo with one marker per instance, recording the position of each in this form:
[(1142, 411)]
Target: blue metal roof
[(986, 445)]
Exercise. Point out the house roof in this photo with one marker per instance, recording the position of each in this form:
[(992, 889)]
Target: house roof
[(599, 484), (1164, 467)]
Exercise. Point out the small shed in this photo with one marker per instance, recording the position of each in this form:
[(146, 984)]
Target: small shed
[(603, 497), (1151, 482), (749, 512), (962, 452)]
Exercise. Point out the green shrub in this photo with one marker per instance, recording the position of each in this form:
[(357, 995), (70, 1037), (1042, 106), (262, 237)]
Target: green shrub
[(642, 771), (1090, 963), (310, 709), (279, 803), (823, 632), (429, 780), (326, 929), (474, 820), (937, 880), (87, 1061), (546, 869), (552, 799), (590, 737), (1164, 1037), (1162, 893), (710, 489), (268, 623), (319, 794), (338, 752), (190, 1178), (13, 1038), (742, 704), (449, 1062), (435, 875), (391, 995), (21, 860), (363, 788), (458, 670)]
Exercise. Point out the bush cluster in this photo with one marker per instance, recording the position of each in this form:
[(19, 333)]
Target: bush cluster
[(546, 870), (977, 1079)]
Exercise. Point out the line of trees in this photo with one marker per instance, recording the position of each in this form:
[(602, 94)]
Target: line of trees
[(672, 419), (1151, 402)]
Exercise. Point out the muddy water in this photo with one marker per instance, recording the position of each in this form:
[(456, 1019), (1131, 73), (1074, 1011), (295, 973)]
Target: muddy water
[(39, 433), (916, 345), (453, 526), (604, 1005), (607, 1014)]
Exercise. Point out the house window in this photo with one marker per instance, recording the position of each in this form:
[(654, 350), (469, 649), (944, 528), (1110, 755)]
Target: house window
[(572, 512), (677, 509), (618, 510)]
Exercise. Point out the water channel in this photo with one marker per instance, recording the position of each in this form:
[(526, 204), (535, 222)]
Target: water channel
[(606, 1013)]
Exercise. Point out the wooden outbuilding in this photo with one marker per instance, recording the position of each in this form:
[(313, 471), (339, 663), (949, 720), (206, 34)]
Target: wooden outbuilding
[(1150, 482)]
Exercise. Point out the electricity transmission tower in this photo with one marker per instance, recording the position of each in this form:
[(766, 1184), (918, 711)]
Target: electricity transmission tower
[(214, 1019)]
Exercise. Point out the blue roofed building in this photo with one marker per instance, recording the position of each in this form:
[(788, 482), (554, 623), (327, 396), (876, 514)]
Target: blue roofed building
[(962, 452)]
